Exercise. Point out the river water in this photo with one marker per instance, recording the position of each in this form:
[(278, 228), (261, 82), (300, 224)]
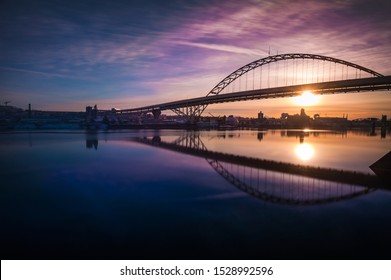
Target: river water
[(172, 194)]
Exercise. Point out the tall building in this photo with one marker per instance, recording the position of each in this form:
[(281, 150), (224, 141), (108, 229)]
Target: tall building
[(260, 116)]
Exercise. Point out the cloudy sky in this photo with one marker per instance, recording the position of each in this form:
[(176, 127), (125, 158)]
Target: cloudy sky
[(64, 55)]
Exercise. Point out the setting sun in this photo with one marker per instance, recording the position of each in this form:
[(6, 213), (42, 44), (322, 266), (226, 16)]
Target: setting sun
[(307, 98)]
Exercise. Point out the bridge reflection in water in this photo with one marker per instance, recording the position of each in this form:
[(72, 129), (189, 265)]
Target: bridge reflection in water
[(273, 181)]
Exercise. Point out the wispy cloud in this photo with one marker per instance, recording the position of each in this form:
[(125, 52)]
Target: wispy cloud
[(173, 50), (224, 48), (40, 73)]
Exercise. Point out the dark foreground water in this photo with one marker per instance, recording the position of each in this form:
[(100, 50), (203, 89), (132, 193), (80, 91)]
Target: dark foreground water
[(194, 195)]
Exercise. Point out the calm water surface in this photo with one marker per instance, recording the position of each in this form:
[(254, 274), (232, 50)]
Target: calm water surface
[(154, 194)]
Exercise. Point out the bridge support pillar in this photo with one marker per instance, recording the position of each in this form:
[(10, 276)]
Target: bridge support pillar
[(156, 113)]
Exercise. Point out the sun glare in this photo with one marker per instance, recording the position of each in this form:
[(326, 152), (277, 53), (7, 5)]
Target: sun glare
[(304, 151), (307, 98)]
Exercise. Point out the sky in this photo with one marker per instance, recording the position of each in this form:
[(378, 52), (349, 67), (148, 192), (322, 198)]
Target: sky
[(66, 55)]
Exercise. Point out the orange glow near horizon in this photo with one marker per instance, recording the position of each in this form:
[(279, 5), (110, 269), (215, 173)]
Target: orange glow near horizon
[(307, 98)]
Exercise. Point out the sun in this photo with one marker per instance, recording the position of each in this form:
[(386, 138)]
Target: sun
[(307, 98)]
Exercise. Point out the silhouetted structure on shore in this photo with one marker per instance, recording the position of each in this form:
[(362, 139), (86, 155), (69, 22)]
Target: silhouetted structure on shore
[(93, 118)]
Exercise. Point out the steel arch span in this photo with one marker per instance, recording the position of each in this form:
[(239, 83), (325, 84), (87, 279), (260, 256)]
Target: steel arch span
[(298, 184), (275, 58), (293, 198), (272, 59), (294, 83)]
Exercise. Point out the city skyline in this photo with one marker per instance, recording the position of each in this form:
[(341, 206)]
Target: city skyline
[(64, 55)]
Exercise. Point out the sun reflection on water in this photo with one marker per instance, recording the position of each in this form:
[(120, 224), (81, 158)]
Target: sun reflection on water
[(304, 151)]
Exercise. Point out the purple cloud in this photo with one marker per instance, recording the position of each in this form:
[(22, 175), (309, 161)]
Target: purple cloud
[(143, 54)]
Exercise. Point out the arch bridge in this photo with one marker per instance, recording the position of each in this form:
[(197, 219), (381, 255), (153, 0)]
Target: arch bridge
[(273, 181), (283, 75)]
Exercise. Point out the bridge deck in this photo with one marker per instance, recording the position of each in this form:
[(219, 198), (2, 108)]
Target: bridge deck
[(328, 174), (344, 86)]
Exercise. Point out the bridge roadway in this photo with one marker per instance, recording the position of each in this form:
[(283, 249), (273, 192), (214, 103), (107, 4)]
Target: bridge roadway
[(328, 174), (343, 86)]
